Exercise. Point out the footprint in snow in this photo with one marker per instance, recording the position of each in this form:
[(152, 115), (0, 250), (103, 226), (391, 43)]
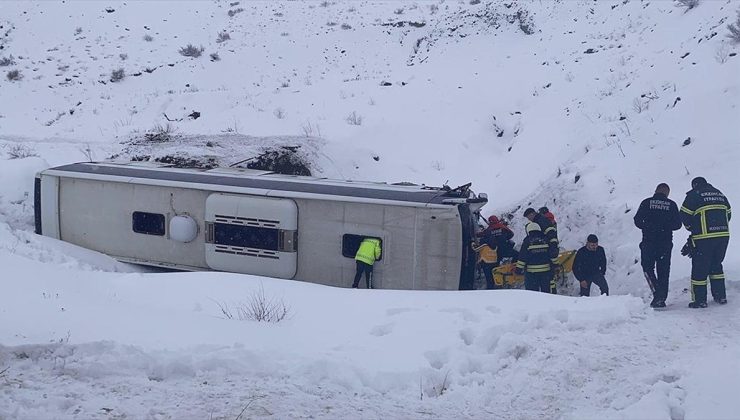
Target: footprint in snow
[(397, 311), (381, 330), (467, 335), (467, 315), (437, 358), (667, 378)]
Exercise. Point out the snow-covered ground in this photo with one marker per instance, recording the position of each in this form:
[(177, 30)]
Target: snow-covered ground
[(586, 114), (88, 344)]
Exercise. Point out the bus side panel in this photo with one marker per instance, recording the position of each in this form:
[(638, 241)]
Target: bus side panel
[(421, 246), (99, 215), (247, 231), (322, 226), (438, 245), (398, 269), (49, 206)]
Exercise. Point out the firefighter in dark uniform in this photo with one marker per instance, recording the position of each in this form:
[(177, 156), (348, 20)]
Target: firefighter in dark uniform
[(535, 260), (551, 236), (657, 217), (706, 213)]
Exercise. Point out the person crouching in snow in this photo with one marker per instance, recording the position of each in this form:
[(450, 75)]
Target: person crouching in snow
[(367, 254), (535, 259), (589, 266)]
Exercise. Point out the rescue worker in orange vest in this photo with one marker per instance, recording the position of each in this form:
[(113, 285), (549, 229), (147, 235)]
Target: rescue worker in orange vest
[(498, 236), (488, 260)]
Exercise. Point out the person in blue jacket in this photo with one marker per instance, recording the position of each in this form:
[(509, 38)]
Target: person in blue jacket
[(589, 266)]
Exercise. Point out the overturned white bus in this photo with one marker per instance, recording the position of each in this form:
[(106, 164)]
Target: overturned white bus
[(259, 222)]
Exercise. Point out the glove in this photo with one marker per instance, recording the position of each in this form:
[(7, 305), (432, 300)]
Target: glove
[(555, 267), (688, 249)]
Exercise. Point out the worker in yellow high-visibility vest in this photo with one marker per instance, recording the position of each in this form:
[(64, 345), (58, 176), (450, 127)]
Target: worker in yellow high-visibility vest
[(367, 254)]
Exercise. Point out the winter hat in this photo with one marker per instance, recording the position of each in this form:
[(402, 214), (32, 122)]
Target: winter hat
[(533, 227), (698, 182), (529, 211), (544, 210), (493, 220), (592, 238)]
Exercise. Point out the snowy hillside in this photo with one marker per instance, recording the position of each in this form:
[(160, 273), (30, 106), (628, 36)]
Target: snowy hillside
[(578, 105)]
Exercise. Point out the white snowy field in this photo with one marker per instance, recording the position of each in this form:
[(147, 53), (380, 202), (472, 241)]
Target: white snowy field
[(585, 113), (86, 344)]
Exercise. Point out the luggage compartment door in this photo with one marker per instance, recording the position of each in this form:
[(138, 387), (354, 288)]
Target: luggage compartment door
[(252, 235)]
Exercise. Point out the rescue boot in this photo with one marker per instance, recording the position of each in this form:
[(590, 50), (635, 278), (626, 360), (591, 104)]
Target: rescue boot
[(721, 301), (695, 305)]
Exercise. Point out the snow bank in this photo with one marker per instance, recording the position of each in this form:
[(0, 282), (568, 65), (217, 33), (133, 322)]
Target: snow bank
[(406, 347), (508, 354)]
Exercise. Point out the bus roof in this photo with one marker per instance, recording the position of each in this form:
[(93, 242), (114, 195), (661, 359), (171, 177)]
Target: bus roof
[(151, 172)]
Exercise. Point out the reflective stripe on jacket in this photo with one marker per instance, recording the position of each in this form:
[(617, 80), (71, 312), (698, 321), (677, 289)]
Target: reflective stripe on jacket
[(369, 251), (535, 254), (706, 213)]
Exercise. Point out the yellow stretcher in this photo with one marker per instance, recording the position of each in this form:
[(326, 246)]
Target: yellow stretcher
[(505, 277)]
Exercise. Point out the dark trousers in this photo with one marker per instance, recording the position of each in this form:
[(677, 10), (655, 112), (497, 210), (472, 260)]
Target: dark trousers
[(706, 261), (657, 256), (598, 280), (538, 282), (368, 270), (488, 274)]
